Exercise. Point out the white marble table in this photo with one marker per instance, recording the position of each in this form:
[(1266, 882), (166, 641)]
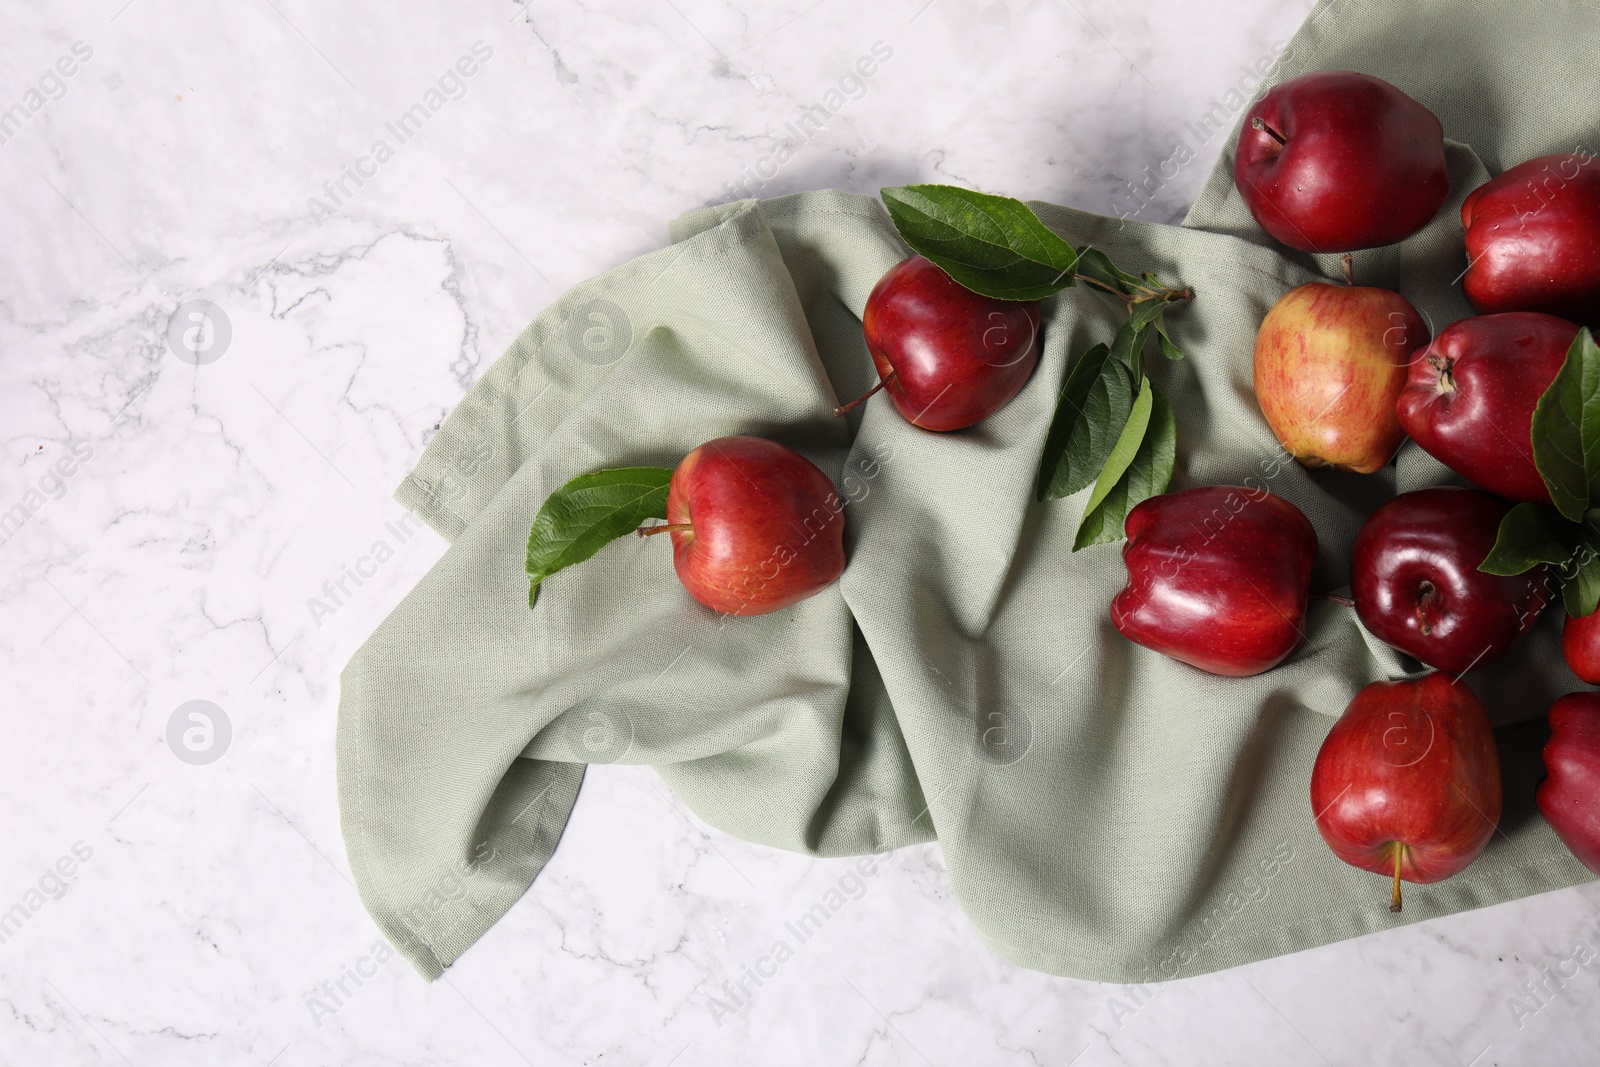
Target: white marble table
[(211, 532)]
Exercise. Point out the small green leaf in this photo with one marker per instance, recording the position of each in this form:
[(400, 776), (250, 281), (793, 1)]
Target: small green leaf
[(582, 516), (1168, 349), (1129, 343), (1581, 589), (1091, 414), (1525, 541), (993, 245), (1126, 448), (1148, 311), (1093, 263), (1148, 475), (1566, 430)]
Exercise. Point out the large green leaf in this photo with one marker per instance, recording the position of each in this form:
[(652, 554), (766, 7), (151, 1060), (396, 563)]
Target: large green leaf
[(582, 516), (1566, 430), (1126, 448), (1090, 414), (1525, 540), (993, 245), (1148, 475)]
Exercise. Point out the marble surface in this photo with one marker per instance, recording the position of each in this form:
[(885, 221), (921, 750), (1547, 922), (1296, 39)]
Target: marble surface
[(180, 497)]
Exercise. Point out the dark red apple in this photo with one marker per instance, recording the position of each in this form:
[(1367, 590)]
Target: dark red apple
[(1580, 646), (946, 356), (1533, 239), (1407, 783), (1470, 395), (1570, 797), (755, 526), (1218, 577), (1415, 580), (1334, 161)]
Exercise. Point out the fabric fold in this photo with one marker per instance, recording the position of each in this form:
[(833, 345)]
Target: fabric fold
[(1104, 812)]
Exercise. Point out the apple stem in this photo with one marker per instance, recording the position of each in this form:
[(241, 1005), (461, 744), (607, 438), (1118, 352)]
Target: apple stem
[(1394, 899), (1349, 262), (1259, 124), (841, 411), (1336, 598), (1425, 594), (647, 531)]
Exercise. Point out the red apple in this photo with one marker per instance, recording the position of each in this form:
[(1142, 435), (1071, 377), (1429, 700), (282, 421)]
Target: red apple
[(1580, 646), (1218, 577), (946, 356), (755, 526), (1329, 362), (1415, 579), (1470, 397), (1533, 239), (1335, 161), (1570, 797), (1407, 783)]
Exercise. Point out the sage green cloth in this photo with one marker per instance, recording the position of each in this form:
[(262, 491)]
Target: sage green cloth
[(1105, 812)]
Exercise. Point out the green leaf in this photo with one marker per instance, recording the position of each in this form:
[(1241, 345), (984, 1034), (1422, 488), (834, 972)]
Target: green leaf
[(1093, 263), (993, 245), (1126, 448), (1148, 475), (1525, 540), (1581, 589), (1168, 349), (1148, 311), (1069, 407), (1090, 415), (1566, 430), (582, 516), (1129, 343)]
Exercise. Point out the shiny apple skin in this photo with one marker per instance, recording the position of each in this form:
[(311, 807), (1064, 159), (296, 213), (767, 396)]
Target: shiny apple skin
[(768, 527), (1580, 646), (1470, 397), (1330, 362), (1411, 764), (1362, 164), (1533, 239), (1218, 578), (1439, 536), (956, 357), (1569, 799)]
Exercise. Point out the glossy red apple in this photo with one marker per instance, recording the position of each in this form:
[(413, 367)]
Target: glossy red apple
[(1533, 239), (1415, 580), (1580, 646), (1335, 161), (1330, 360), (1407, 783), (1218, 577), (1470, 397), (1570, 797), (946, 356), (755, 526)]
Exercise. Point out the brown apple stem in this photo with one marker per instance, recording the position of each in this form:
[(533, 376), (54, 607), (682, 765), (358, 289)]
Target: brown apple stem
[(1336, 598), (840, 412), (647, 531), (1394, 899), (1349, 262), (1425, 594), (1258, 124), (1166, 296)]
